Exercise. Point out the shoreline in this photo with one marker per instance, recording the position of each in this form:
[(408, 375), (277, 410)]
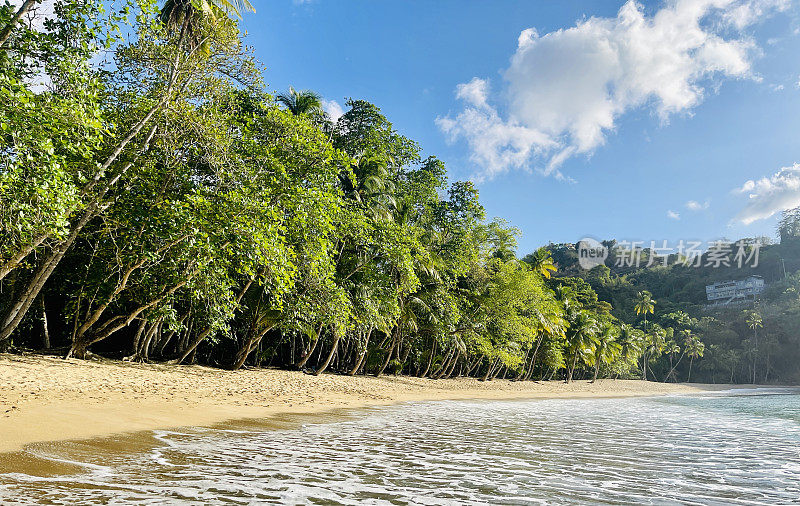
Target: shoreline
[(47, 399)]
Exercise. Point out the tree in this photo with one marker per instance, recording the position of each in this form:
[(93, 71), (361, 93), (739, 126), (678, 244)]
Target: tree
[(581, 339), (789, 226), (694, 349), (755, 322), (644, 304), (301, 102), (161, 66), (541, 261), (606, 350)]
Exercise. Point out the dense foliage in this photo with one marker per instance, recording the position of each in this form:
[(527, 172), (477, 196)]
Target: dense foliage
[(157, 203)]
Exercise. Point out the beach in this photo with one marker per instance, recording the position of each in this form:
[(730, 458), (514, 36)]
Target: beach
[(50, 399)]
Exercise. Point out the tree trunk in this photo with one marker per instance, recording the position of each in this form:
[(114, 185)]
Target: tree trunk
[(388, 358), (23, 9), (302, 362), (26, 297), (489, 370), (430, 360), (45, 330), (689, 377), (572, 368), (497, 371), (452, 365), (472, 367), (533, 359), (249, 347), (362, 355), (16, 259), (334, 347)]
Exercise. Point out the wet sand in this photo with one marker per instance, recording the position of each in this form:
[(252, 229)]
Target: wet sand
[(50, 399)]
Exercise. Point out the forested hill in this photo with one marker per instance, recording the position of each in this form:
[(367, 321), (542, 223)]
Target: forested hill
[(729, 332)]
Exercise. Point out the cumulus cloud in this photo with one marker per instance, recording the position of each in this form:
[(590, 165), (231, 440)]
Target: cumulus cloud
[(673, 215), (694, 205), (333, 108), (564, 91), (770, 195)]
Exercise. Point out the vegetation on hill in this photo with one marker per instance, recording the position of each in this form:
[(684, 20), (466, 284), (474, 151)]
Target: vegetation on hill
[(157, 203)]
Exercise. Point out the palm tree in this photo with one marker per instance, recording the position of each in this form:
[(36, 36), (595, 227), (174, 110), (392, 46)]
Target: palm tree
[(695, 349), (184, 15), (644, 304), (653, 346), (301, 102), (754, 321), (175, 12), (541, 261), (606, 349), (671, 348), (582, 339)]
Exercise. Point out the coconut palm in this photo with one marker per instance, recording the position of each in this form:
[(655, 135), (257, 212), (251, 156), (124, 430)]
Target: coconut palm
[(185, 15), (175, 12), (755, 322), (541, 261), (606, 349), (301, 102), (694, 349), (644, 304), (671, 348), (653, 346), (581, 336)]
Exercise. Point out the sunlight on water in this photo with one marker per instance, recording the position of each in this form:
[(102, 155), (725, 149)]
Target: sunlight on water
[(697, 450)]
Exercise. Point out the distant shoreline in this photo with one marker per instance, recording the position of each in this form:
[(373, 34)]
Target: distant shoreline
[(48, 399)]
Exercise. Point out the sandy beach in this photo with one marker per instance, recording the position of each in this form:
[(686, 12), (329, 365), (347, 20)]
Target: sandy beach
[(49, 399)]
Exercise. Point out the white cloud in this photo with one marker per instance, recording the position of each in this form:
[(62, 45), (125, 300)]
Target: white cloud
[(770, 195), (333, 108), (694, 205), (563, 91), (747, 13), (673, 215)]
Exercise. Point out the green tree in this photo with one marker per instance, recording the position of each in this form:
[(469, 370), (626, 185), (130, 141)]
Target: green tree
[(541, 261), (301, 102), (644, 304), (754, 322)]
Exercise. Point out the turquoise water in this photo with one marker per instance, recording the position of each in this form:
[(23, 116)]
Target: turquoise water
[(711, 449)]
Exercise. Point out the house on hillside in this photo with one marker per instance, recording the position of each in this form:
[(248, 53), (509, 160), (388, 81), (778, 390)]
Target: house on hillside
[(726, 292)]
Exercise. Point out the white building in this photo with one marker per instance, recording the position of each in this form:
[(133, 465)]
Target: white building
[(725, 292)]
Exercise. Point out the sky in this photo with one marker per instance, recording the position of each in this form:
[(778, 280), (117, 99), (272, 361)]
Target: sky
[(639, 121)]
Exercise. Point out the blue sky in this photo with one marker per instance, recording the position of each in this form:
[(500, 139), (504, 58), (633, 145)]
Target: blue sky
[(605, 124)]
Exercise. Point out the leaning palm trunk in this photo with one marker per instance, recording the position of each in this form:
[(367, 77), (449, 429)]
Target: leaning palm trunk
[(533, 359), (572, 368), (388, 358), (362, 356), (672, 369), (249, 347), (313, 346), (334, 348), (490, 369), (430, 360)]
